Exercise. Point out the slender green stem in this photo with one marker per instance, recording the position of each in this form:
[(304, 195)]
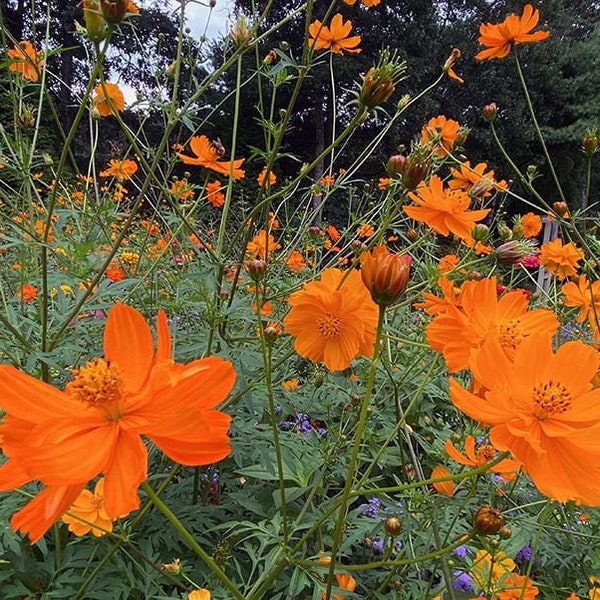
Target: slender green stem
[(536, 126), (193, 544)]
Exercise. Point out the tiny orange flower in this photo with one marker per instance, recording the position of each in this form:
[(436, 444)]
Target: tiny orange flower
[(27, 292), (475, 180), (335, 37), (367, 3), (262, 245), (500, 38), (89, 507), (207, 154), (531, 224), (441, 131), (122, 170), (476, 456), (365, 230), (214, 195), (114, 273), (199, 594), (26, 60), (561, 259), (295, 262), (108, 99), (262, 178)]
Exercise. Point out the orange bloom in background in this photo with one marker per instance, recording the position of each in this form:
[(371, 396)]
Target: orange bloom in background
[(531, 224), (344, 581), (114, 273), (108, 98), (445, 211), (181, 189), (121, 170), (435, 305), (445, 488), (365, 230), (476, 456), (441, 131), (333, 319), (561, 259), (199, 594), (483, 316), (517, 587), (541, 407), (25, 60), (584, 295), (27, 292), (207, 154), (335, 38), (475, 180), (262, 245), (487, 570), (367, 3), (295, 262), (501, 38), (291, 385), (333, 233), (214, 195), (89, 507), (66, 438), (447, 263), (262, 178)]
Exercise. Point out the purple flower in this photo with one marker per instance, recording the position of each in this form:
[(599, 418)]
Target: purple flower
[(524, 554), (460, 551), (462, 582), (377, 546), (371, 508)]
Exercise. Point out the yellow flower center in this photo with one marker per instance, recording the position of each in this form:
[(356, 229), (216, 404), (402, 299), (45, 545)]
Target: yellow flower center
[(98, 383), (484, 454), (329, 325), (549, 399), (511, 335)]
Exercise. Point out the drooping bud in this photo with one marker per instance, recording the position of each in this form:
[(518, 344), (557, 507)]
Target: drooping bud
[(489, 112), (395, 166), (380, 82), (488, 520), (256, 268), (385, 274), (114, 10)]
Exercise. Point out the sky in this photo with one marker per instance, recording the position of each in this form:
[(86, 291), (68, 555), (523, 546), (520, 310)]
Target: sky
[(197, 13)]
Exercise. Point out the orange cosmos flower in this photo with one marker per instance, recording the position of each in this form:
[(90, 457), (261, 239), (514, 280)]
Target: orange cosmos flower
[(262, 178), (441, 131), (27, 292), (89, 507), (444, 210), (365, 230), (108, 99), (501, 38), (333, 319), (25, 60), (517, 587), (114, 273), (295, 262), (344, 581), (482, 316), (475, 180), (207, 154), (561, 259), (262, 245), (367, 3), (199, 594), (335, 37), (66, 438), (584, 295), (435, 305), (214, 195), (447, 263), (120, 169), (476, 456), (530, 224), (541, 407)]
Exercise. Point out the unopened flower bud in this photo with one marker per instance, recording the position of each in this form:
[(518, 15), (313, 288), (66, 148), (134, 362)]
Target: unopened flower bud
[(395, 166), (377, 87), (414, 172), (172, 567), (461, 137), (270, 57), (505, 532), (489, 112), (256, 268), (283, 45), (241, 35), (488, 520), (505, 232), (560, 208), (113, 10), (385, 274), (315, 231), (272, 333), (590, 142), (392, 526), (95, 25), (513, 251), (480, 232)]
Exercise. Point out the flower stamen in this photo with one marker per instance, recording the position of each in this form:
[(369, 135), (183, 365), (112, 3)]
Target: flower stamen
[(550, 398), (98, 383), (329, 325)]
